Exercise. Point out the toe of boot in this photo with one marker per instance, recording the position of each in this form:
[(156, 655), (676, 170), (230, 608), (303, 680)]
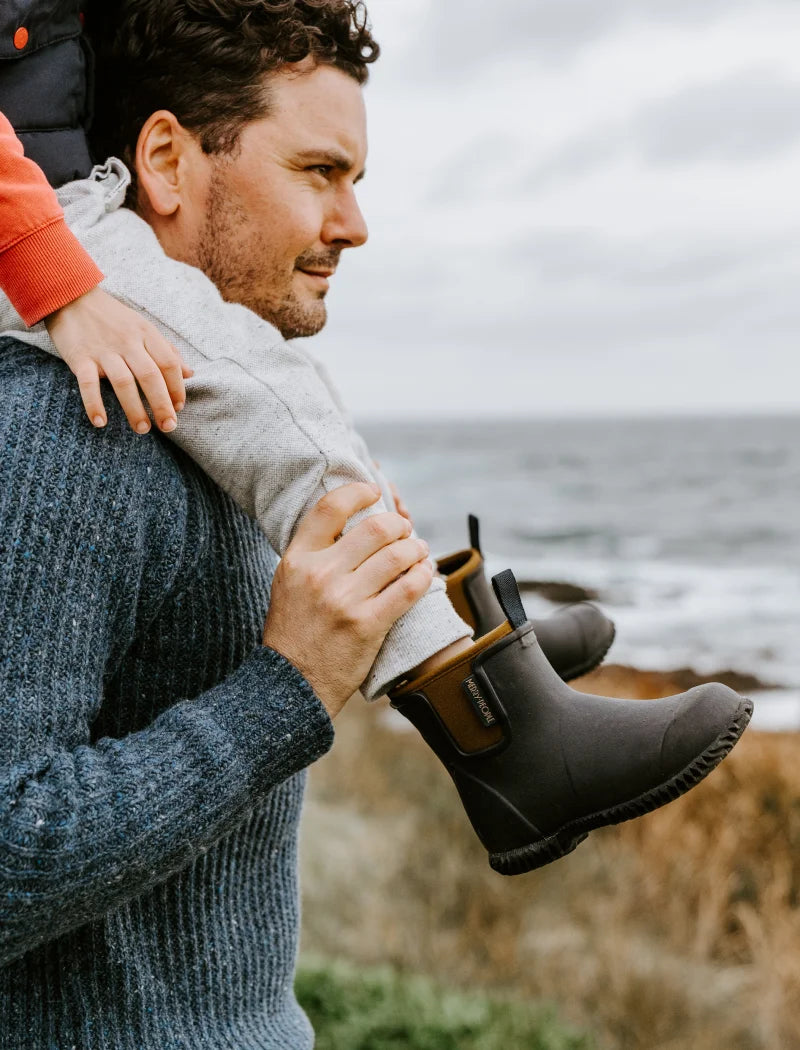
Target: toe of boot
[(576, 639), (706, 723)]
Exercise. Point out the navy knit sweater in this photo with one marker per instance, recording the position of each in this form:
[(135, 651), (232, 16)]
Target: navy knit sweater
[(151, 751)]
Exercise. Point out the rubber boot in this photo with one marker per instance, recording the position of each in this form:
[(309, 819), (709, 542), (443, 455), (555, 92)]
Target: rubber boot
[(575, 640), (539, 765)]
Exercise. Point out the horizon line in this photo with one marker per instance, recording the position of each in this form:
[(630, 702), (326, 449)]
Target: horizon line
[(437, 417)]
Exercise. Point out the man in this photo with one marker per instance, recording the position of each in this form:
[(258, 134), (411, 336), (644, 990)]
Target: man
[(266, 216), (244, 125)]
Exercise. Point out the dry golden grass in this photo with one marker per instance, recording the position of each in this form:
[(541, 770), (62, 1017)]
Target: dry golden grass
[(677, 931)]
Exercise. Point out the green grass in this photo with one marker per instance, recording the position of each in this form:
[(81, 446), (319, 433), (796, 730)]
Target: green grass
[(382, 1010)]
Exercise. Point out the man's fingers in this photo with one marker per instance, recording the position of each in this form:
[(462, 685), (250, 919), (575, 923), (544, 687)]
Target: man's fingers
[(88, 377), (398, 597), (369, 536), (322, 525), (124, 384), (154, 387), (172, 369), (388, 565)]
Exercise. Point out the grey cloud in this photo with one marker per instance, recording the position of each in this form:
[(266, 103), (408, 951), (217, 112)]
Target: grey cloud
[(742, 118), (581, 293), (747, 315), (579, 157), (468, 174), (666, 263), (632, 296), (459, 33)]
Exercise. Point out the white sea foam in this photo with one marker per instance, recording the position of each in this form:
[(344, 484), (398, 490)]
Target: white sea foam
[(670, 616)]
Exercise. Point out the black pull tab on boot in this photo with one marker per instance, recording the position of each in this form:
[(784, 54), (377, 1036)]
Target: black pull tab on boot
[(505, 587), (474, 533)]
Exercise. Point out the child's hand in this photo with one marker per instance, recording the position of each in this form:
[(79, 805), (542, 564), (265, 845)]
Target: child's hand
[(399, 503), (100, 338)]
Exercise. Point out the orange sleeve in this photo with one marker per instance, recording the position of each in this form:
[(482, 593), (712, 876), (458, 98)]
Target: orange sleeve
[(42, 265)]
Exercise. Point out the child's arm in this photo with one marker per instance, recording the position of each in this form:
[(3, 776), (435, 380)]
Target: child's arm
[(46, 273)]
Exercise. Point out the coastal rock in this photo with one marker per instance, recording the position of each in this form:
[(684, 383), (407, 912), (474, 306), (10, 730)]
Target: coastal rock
[(559, 591), (635, 684)]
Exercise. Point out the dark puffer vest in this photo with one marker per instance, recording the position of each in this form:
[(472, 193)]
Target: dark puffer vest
[(46, 83)]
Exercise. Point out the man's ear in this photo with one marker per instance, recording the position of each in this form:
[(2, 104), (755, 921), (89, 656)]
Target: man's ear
[(160, 162)]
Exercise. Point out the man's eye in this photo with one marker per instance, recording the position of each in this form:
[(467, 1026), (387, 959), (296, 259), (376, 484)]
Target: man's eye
[(322, 169)]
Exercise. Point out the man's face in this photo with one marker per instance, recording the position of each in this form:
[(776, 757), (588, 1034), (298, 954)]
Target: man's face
[(272, 218)]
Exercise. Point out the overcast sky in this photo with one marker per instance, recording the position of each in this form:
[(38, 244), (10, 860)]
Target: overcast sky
[(576, 206)]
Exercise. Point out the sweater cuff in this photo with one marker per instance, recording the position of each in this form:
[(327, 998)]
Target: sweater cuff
[(273, 718), (46, 270)]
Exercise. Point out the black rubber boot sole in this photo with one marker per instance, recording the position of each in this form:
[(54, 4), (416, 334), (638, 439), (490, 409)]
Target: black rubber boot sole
[(592, 663), (567, 838)]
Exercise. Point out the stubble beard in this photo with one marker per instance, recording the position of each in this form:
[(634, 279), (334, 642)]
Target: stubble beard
[(225, 255)]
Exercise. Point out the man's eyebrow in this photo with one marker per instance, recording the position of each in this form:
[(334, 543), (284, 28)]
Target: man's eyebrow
[(339, 161)]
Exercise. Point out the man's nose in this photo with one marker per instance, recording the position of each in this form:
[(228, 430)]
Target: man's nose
[(346, 225)]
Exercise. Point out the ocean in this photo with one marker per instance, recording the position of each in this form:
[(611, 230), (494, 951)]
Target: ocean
[(688, 529)]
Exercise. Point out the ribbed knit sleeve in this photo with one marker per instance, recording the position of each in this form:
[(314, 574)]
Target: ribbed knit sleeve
[(93, 542), (42, 265)]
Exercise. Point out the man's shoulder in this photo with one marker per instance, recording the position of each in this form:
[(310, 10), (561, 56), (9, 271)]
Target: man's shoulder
[(48, 443), (143, 495), (41, 403)]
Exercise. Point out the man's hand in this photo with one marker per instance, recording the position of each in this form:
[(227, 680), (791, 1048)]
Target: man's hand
[(100, 338), (334, 599)]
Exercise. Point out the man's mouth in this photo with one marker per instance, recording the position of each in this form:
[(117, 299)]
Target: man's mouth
[(317, 279)]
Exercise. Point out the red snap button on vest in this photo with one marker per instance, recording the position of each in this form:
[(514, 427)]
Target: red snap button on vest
[(21, 38)]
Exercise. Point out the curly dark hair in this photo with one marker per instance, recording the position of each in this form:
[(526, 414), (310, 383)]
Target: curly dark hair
[(205, 61)]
